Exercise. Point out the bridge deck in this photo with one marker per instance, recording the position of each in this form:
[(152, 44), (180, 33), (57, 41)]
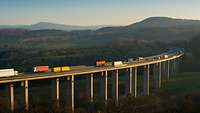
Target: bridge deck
[(88, 70)]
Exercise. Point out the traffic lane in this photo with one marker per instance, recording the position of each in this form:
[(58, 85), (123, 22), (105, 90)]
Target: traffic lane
[(89, 70)]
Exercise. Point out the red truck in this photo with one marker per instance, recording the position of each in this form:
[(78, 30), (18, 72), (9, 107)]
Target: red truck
[(41, 69)]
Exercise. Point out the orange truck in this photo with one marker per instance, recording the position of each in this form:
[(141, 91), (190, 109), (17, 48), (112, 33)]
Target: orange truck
[(61, 69), (100, 63), (41, 69)]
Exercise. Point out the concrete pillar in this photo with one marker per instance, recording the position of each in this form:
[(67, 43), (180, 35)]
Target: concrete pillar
[(157, 75), (146, 81), (102, 85), (68, 91), (106, 86), (155, 71), (12, 97), (135, 82), (26, 95), (57, 93), (168, 69), (91, 88), (72, 93), (130, 80), (178, 64), (163, 69), (115, 85), (160, 75), (174, 66)]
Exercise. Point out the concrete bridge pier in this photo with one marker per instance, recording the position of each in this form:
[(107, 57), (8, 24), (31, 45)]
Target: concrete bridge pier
[(173, 67), (115, 85), (72, 93), (12, 97), (135, 82), (130, 81), (146, 81), (157, 75), (56, 91), (104, 86), (179, 60), (90, 87), (174, 63), (164, 70), (26, 89), (168, 70)]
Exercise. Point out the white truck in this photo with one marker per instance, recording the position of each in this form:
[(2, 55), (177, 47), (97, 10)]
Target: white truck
[(117, 63), (140, 58), (166, 56), (8, 72)]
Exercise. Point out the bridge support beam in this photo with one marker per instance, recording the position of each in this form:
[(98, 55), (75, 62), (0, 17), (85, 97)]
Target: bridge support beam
[(130, 80), (135, 82), (146, 81), (106, 86), (115, 85), (72, 93), (157, 75), (174, 63), (12, 97), (178, 65), (91, 88), (168, 70), (57, 93), (163, 70), (26, 95), (160, 75)]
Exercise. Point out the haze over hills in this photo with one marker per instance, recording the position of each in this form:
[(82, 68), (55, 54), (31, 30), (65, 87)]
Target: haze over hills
[(50, 26), (162, 29)]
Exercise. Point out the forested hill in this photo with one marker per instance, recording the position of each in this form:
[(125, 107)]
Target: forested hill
[(157, 28), (151, 29), (22, 48)]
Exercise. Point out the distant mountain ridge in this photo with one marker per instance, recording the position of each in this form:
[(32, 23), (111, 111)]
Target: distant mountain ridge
[(157, 28), (48, 25), (158, 22), (162, 29)]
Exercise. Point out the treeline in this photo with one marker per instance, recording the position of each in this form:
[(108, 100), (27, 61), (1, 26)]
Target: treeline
[(23, 49), (152, 104), (23, 59)]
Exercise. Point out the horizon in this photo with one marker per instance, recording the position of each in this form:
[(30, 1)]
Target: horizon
[(91, 13), (96, 24)]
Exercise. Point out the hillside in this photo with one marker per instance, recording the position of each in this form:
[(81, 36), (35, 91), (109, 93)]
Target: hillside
[(157, 28), (151, 29), (57, 47)]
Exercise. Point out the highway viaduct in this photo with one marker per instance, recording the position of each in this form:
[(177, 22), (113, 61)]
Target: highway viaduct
[(164, 65)]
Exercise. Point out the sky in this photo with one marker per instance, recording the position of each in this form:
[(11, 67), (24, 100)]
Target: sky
[(94, 12)]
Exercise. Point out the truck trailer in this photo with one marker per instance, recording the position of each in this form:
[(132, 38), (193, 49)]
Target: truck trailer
[(8, 72)]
